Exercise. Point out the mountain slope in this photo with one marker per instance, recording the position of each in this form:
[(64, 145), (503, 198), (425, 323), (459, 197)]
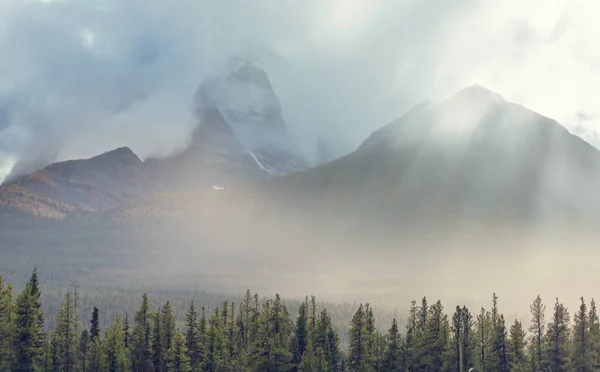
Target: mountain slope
[(94, 184), (474, 156)]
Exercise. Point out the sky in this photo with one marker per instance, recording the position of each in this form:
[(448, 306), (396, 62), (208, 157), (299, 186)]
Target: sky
[(80, 77)]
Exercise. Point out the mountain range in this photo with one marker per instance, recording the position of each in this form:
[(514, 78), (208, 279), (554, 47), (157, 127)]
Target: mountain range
[(474, 157)]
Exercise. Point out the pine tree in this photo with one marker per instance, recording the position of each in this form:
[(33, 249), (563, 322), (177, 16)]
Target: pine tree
[(517, 357), (498, 359), (328, 341), (95, 324), (435, 338), (394, 360), (158, 353), (421, 348), (192, 337), (203, 332), (313, 360), (537, 310), (49, 355), (411, 337), (557, 341), (96, 356), (141, 352), (126, 330), (594, 336), (462, 339), (117, 356), (66, 334), (215, 344), (7, 325), (372, 338), (301, 335), (357, 359), (581, 340), (29, 320), (483, 337), (177, 356), (83, 350)]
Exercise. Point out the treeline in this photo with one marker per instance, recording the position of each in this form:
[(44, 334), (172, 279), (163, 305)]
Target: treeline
[(261, 335)]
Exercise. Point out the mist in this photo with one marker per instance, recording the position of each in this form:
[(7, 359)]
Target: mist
[(80, 78)]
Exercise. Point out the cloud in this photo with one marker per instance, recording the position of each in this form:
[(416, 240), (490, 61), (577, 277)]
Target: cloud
[(81, 77)]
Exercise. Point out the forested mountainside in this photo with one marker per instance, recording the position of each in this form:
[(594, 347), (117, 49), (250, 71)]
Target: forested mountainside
[(263, 335)]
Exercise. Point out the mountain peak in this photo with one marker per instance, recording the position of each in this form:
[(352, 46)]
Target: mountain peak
[(476, 94), (121, 154)]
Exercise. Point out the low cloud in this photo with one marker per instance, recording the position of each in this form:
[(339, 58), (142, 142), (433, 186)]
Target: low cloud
[(82, 77)]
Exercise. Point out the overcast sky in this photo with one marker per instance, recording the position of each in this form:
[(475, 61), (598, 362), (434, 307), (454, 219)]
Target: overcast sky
[(79, 77)]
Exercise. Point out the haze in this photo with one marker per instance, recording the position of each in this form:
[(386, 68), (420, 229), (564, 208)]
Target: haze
[(83, 77)]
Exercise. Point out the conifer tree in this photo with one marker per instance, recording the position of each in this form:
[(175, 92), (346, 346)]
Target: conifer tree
[(581, 357), (435, 338), (301, 336), (177, 356), (192, 337), (48, 354), (66, 334), (116, 354), (498, 360), (29, 320), (394, 360), (462, 339), (483, 338), (158, 353), (328, 341), (168, 327), (313, 360), (557, 341), (215, 344), (371, 337), (411, 336), (421, 348), (96, 356), (95, 324), (517, 352), (203, 332), (141, 352), (7, 325), (357, 358), (126, 330), (594, 336), (83, 350), (537, 327)]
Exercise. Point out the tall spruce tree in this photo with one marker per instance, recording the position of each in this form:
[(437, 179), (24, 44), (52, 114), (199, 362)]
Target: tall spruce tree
[(581, 357), (116, 354), (66, 334), (357, 358), (177, 356), (29, 320), (435, 338), (557, 341), (83, 350), (192, 337), (594, 336), (498, 360), (7, 325), (95, 324), (158, 353), (141, 351), (517, 348), (462, 348), (411, 336), (537, 327), (301, 334), (394, 360)]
